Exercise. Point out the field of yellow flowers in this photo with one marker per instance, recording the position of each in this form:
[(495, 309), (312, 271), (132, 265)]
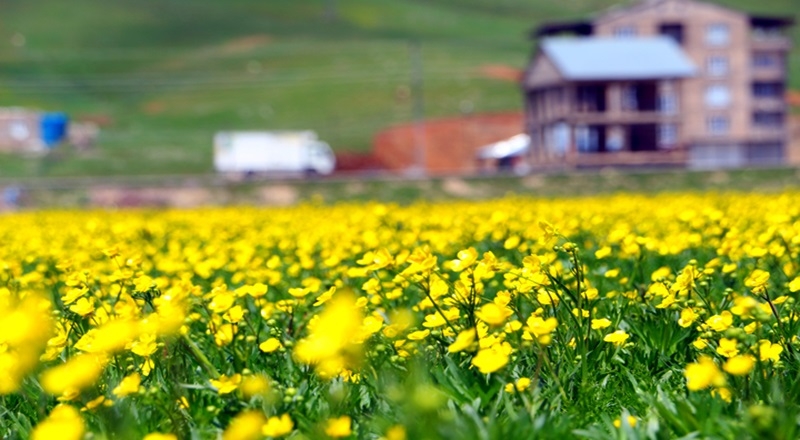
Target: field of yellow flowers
[(625, 316)]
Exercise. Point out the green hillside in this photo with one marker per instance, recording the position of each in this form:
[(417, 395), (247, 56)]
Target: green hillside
[(166, 74)]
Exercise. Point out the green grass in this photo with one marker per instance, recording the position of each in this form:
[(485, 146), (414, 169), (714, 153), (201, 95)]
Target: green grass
[(168, 74)]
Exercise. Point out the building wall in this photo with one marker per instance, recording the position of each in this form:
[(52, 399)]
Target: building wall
[(697, 101)]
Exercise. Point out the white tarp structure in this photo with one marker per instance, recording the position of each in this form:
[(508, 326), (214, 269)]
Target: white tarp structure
[(517, 145)]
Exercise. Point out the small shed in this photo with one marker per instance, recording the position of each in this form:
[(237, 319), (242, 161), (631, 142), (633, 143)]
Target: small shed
[(20, 130)]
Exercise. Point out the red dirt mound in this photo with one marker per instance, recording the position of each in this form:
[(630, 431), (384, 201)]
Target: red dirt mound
[(444, 145), (347, 161), (501, 72)]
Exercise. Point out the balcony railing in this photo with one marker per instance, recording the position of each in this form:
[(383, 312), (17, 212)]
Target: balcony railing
[(770, 42), (768, 133)]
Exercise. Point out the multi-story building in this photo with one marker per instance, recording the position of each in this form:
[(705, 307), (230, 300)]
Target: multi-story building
[(663, 82)]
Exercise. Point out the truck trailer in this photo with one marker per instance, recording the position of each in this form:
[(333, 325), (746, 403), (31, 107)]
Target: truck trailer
[(272, 153)]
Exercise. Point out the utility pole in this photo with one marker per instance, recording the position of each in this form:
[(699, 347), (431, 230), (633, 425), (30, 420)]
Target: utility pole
[(418, 107), (331, 11)]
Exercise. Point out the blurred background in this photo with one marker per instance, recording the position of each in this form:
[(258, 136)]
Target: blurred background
[(146, 84)]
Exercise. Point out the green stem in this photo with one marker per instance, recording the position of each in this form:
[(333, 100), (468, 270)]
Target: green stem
[(200, 357)]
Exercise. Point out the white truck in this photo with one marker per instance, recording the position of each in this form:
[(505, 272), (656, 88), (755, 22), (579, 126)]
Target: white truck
[(272, 152)]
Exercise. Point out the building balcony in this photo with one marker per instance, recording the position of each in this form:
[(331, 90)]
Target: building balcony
[(771, 103), (624, 117), (772, 73), (768, 134), (672, 157), (770, 42)]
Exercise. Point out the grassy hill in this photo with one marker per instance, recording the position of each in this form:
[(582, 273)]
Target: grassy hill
[(167, 74)]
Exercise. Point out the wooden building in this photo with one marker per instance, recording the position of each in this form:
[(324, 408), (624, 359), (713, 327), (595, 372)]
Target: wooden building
[(663, 82)]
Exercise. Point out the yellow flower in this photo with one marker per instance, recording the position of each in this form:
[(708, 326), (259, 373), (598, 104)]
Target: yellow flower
[(523, 383), (324, 297), (599, 324), (245, 426), (602, 252), (234, 314), (723, 393), (418, 335), (617, 338), (743, 305), (727, 347), (688, 316), (129, 385), (225, 384), (721, 322), (144, 346), (511, 242), (73, 294), (794, 285), (278, 426), (630, 419), (83, 306), (703, 374), (224, 335), (270, 345), (465, 259), (739, 365), (143, 283), (63, 423), (493, 314), (94, 403), (767, 351), (757, 280), (463, 341), (396, 432), (256, 291), (299, 292), (254, 385), (76, 374), (160, 436), (546, 298), (111, 337), (489, 360), (540, 327), (338, 427), (728, 267), (332, 344), (666, 301)]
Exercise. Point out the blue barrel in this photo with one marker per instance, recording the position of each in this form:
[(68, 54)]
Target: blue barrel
[(54, 128)]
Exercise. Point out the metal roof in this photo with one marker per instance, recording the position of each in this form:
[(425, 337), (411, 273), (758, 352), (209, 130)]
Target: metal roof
[(618, 58)]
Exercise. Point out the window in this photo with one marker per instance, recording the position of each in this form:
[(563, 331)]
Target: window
[(591, 98), (615, 139), (718, 124), (765, 59), (717, 34), (717, 65), (586, 139), (625, 31), (629, 97), (668, 103), (667, 135), (672, 30), (768, 119), (768, 90), (717, 95)]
